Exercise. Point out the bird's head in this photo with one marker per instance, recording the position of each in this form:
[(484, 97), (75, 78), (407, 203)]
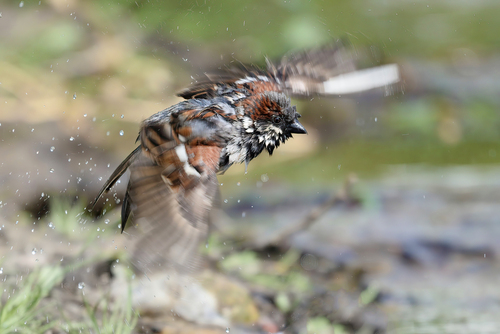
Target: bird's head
[(269, 119)]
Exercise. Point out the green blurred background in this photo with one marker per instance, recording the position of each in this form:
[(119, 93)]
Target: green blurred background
[(77, 77), (71, 61)]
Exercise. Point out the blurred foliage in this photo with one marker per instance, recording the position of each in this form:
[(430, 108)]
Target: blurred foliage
[(67, 219), (21, 312), (413, 28), (282, 275), (108, 318), (129, 57), (24, 310), (368, 295), (321, 325), (67, 60)]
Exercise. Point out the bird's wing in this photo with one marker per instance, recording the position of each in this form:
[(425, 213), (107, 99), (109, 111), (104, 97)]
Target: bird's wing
[(220, 82), (172, 188), (204, 89), (330, 70), (119, 171)]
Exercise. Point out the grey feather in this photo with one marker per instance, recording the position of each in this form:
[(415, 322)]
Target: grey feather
[(119, 171)]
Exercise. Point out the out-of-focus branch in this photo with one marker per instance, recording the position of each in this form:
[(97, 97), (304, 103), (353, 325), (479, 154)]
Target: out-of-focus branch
[(341, 196)]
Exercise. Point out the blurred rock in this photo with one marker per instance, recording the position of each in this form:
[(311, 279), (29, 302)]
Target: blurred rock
[(208, 300)]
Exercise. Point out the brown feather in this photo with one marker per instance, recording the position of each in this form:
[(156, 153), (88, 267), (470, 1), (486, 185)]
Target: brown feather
[(169, 226), (170, 195)]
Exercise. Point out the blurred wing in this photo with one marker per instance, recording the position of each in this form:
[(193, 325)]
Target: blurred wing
[(204, 89), (168, 225), (361, 80), (330, 70), (119, 171), (217, 83), (172, 188)]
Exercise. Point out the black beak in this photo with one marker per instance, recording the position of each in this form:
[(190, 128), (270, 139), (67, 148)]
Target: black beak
[(296, 127)]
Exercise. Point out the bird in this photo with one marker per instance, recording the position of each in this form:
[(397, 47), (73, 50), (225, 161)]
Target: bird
[(229, 117)]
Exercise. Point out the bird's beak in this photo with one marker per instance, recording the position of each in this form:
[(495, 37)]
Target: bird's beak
[(296, 127)]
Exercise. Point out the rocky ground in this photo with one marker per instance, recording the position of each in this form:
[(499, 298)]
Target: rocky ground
[(413, 252)]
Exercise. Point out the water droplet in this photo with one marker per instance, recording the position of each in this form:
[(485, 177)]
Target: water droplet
[(122, 116), (33, 251), (21, 4), (81, 285), (74, 96), (339, 166), (264, 178), (84, 115), (52, 149), (375, 119), (121, 132), (51, 225), (238, 184), (98, 229), (51, 170), (71, 138), (225, 201), (227, 330), (106, 221), (1, 270)]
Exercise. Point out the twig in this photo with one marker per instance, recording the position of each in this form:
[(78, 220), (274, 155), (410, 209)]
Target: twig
[(341, 196)]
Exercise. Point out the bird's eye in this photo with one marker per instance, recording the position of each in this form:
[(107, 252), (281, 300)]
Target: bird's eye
[(277, 119)]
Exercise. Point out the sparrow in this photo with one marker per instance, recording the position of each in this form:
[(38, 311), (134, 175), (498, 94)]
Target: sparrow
[(228, 118)]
